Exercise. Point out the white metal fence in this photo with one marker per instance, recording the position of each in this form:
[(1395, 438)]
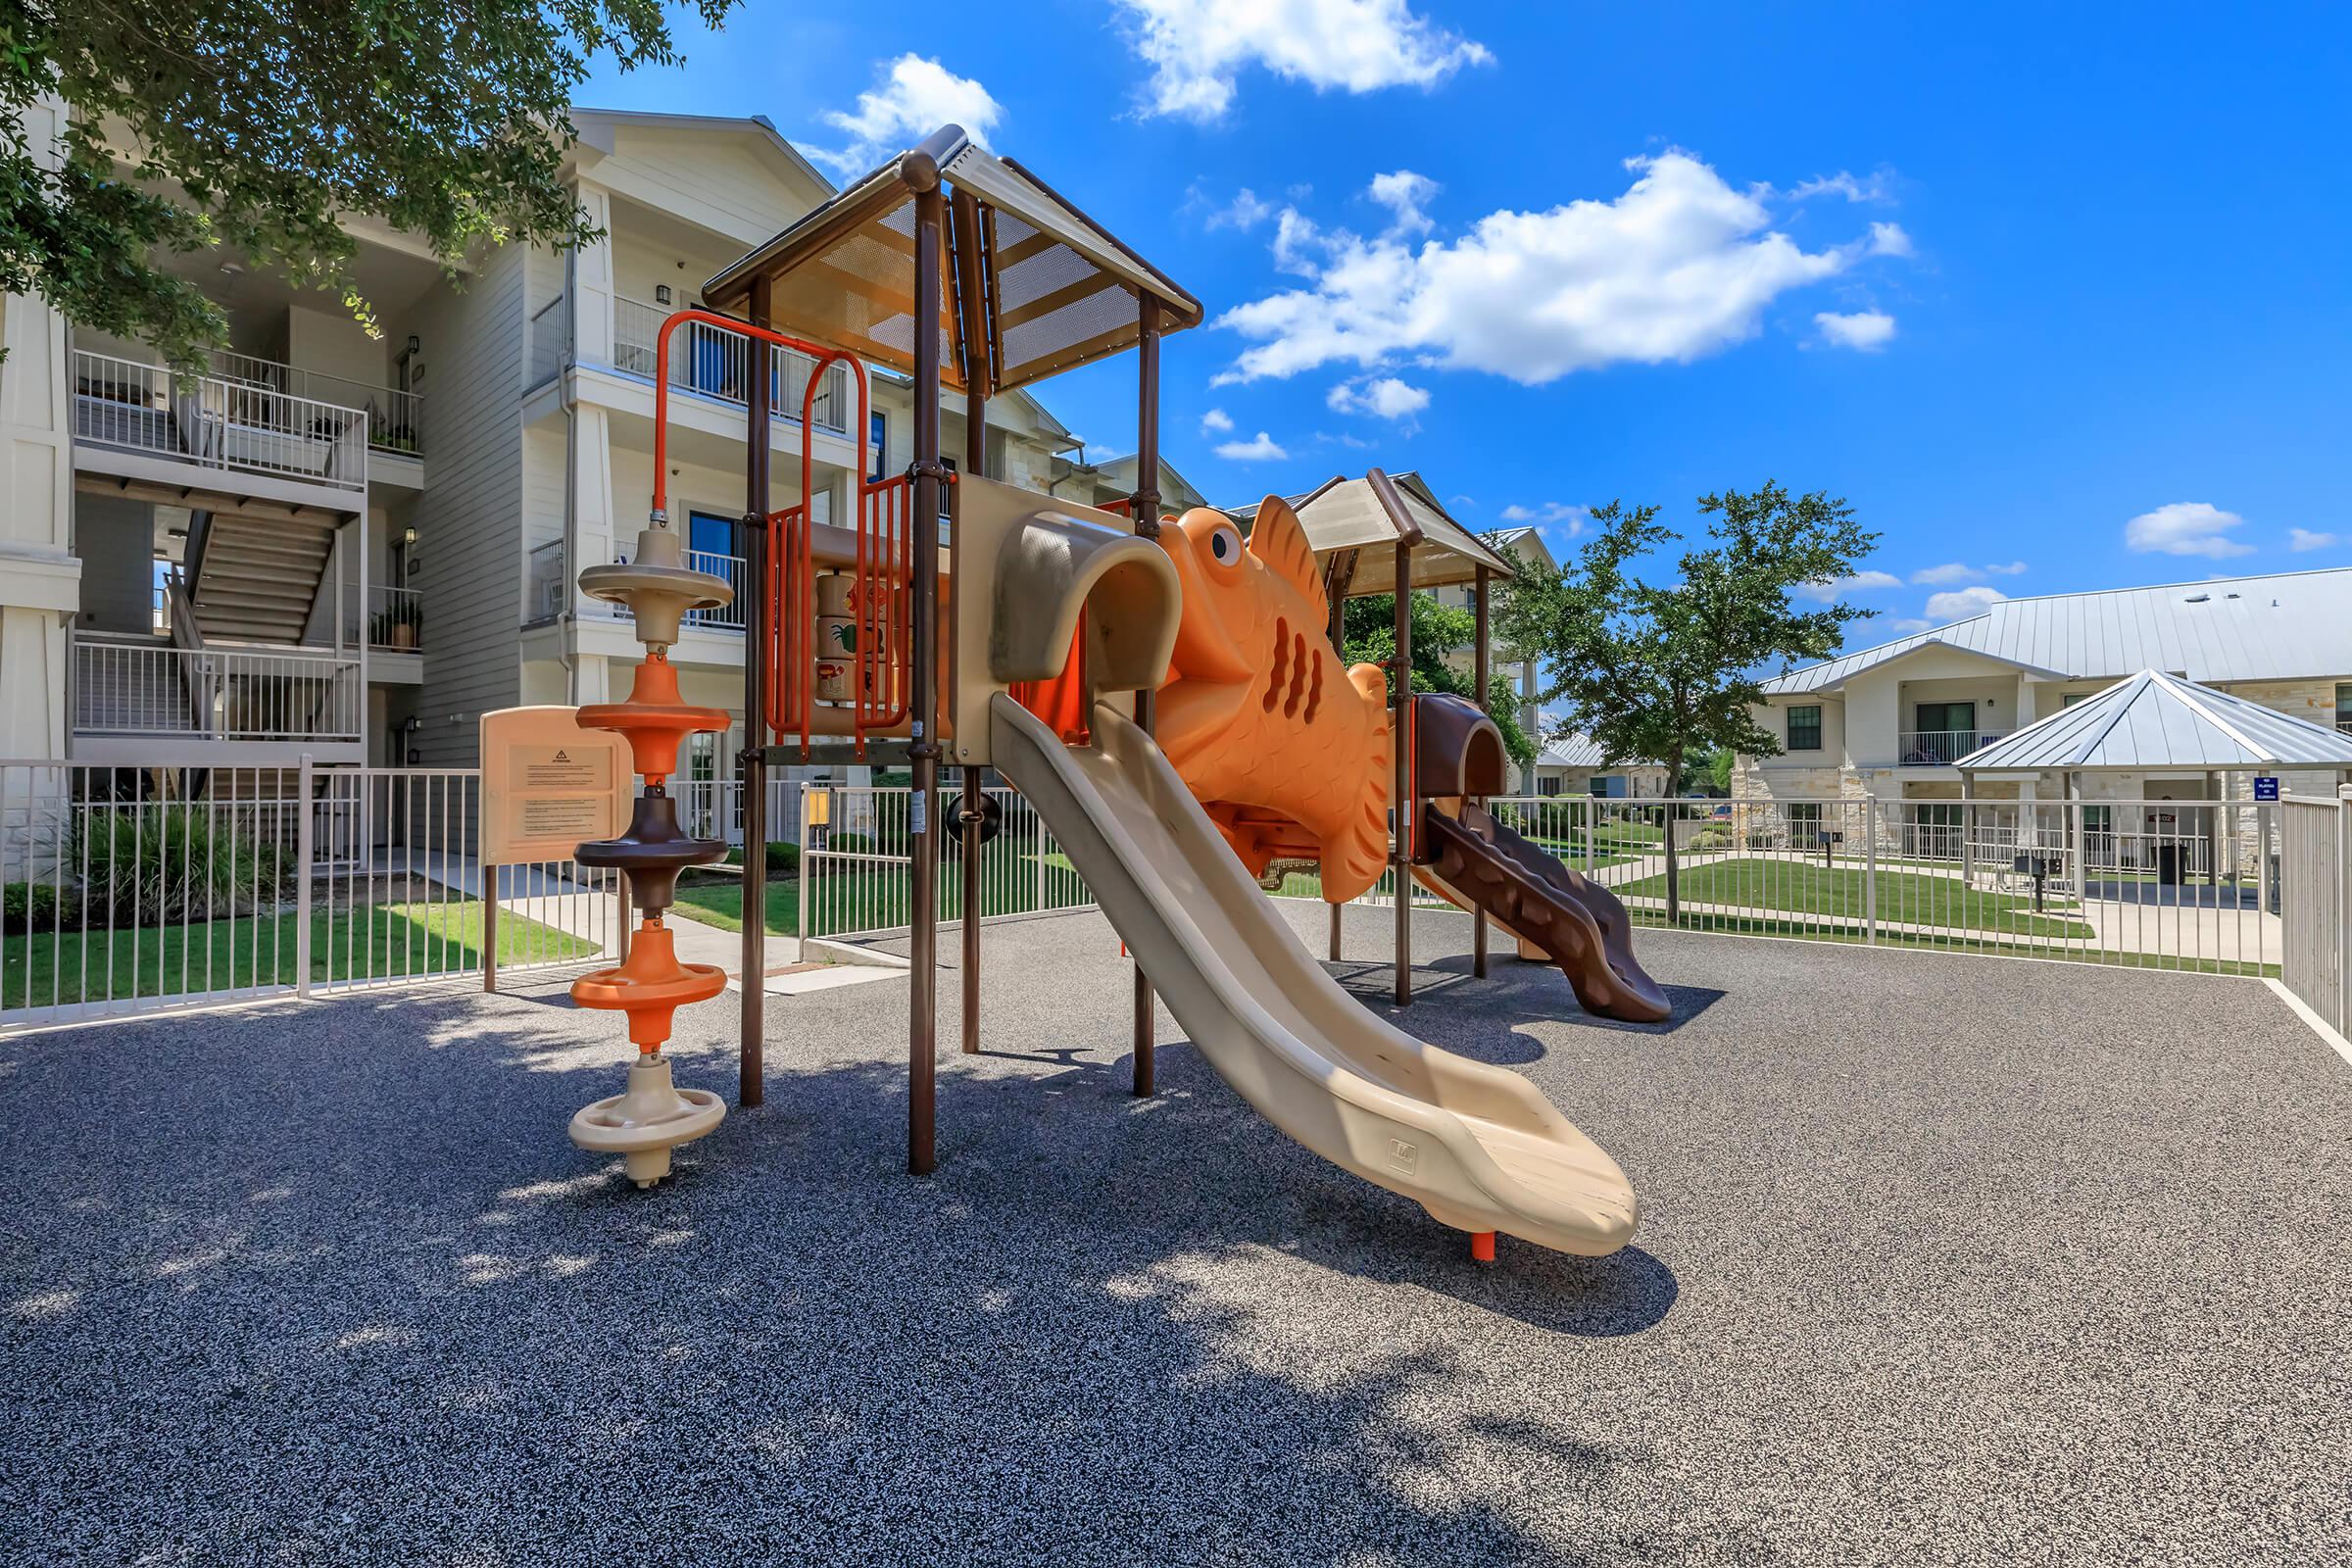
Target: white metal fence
[(134, 890), (2316, 886), (2156, 884), (139, 686), (394, 415), (217, 421)]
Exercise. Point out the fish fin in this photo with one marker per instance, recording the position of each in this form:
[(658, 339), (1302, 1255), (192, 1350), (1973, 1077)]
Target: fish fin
[(1279, 540), (1354, 857)]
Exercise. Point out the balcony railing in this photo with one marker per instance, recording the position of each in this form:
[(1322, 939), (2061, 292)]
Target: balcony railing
[(395, 418), (139, 687), (550, 591), (716, 363), (395, 619), (550, 588), (214, 422), (548, 339), (1940, 748)]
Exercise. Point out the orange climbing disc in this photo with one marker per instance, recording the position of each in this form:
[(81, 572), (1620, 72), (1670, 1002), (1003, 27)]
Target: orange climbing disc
[(650, 985), (655, 720)]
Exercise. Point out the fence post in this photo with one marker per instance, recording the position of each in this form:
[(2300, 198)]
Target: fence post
[(1870, 870), (302, 847), (2342, 901)]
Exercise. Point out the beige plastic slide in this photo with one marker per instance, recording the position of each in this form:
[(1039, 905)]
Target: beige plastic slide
[(1476, 1146)]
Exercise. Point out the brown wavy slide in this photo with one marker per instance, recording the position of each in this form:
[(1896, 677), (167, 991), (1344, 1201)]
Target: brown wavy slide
[(1578, 924)]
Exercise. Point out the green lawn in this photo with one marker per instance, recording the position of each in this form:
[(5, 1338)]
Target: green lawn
[(1804, 930), (868, 896), (1806, 887), (52, 969)]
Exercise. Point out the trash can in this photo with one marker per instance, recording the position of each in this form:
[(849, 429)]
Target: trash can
[(2168, 864)]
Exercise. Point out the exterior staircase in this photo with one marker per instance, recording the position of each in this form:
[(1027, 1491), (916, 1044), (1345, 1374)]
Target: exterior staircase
[(253, 580)]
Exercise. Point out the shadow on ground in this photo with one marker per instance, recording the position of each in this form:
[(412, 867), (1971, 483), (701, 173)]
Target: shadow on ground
[(356, 1296)]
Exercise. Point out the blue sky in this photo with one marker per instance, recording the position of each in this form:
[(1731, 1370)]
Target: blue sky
[(2056, 296)]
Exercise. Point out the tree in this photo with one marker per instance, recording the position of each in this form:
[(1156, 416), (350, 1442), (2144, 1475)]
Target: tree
[(1368, 636), (254, 127), (1660, 672)]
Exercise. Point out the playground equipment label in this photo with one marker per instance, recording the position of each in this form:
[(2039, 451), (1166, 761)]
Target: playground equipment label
[(548, 785)]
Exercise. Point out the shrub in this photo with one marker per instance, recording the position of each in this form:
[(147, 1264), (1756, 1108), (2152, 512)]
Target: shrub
[(851, 844), (783, 859), (164, 864), (32, 907)]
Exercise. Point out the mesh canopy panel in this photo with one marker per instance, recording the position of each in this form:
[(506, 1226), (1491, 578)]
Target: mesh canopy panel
[(1056, 290), (1350, 516)]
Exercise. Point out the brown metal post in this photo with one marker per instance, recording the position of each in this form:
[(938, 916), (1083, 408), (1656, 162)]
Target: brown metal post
[(1478, 675), (750, 1086), (971, 334), (489, 928), (1336, 578), (922, 1045), (1401, 744), (1146, 514)]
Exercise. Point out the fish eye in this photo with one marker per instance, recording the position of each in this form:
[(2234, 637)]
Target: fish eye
[(1225, 545)]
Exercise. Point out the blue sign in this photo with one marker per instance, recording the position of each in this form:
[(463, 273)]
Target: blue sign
[(2266, 787)]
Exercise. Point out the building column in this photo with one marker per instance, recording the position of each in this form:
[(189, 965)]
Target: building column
[(591, 284), (40, 580)]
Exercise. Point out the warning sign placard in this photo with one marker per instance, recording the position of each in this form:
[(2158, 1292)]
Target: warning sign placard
[(548, 785)]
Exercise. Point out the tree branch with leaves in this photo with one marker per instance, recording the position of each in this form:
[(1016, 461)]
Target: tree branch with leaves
[(256, 127), (1368, 636), (1664, 671)]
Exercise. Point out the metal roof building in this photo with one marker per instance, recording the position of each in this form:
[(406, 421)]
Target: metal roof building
[(2158, 720), (2285, 626)]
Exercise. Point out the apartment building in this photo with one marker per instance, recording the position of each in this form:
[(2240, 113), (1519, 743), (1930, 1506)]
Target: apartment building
[(1892, 721), (352, 548)]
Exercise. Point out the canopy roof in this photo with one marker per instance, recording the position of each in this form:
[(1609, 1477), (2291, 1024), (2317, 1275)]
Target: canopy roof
[(1055, 288), (2156, 721), (1370, 514)]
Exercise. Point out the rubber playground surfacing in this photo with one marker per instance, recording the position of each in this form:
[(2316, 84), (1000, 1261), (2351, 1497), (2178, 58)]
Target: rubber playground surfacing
[(1942, 1258)]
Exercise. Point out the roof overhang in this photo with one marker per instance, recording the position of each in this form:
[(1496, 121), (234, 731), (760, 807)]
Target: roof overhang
[(1372, 514), (1055, 290), (1896, 653)]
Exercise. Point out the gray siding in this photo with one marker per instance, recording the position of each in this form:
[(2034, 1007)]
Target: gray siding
[(470, 514)]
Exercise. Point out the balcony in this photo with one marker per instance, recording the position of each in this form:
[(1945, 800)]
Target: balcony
[(716, 363), (133, 692), (217, 423), (1940, 747), (395, 418), (394, 620)]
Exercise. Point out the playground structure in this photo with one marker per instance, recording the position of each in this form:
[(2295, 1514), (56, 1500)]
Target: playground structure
[(1063, 629)]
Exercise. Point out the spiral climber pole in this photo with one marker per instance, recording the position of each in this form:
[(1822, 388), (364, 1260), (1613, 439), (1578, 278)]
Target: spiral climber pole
[(653, 1116)]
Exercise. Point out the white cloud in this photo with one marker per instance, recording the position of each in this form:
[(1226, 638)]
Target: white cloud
[(1889, 239), (1245, 212), (1840, 587), (1962, 603), (1385, 396), (1405, 195), (2301, 539), (914, 98), (1216, 422), (1907, 624), (1865, 330), (1946, 575), (1679, 267), (1875, 188), (2015, 569), (1262, 449), (1197, 49), (2187, 529)]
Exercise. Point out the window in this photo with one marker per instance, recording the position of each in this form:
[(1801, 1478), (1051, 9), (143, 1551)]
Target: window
[(877, 434), (2070, 698), (2343, 707), (1804, 728), (710, 534), (1804, 821), (1550, 785)]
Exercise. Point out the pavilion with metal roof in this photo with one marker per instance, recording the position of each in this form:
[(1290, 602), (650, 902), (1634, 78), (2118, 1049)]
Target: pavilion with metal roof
[(1348, 521), (2155, 722)]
